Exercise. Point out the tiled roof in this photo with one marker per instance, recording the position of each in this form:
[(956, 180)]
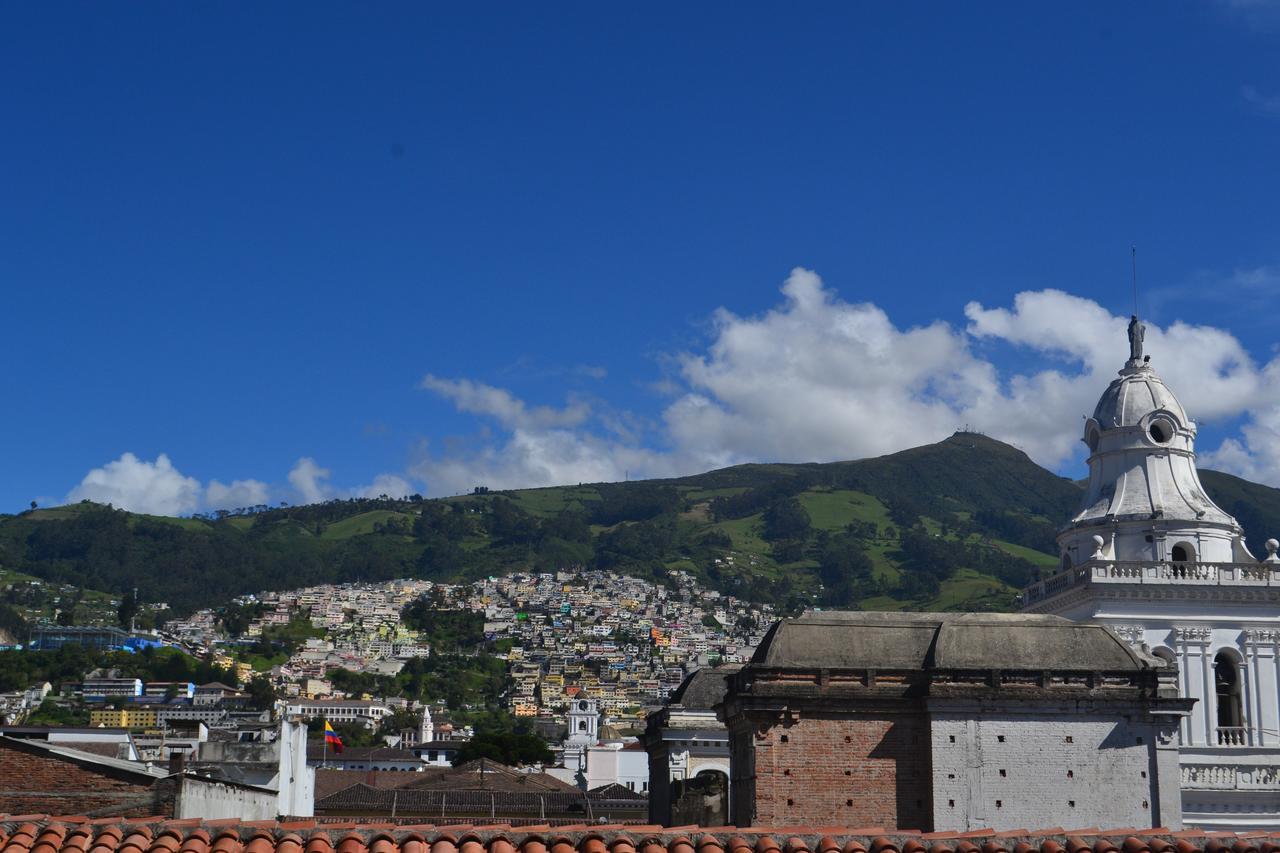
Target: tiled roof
[(43, 834), (332, 781)]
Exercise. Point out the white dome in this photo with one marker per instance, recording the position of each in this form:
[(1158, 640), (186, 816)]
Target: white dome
[(1144, 495), (1137, 393)]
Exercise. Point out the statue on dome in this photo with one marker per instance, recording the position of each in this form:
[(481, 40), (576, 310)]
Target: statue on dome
[(1137, 331)]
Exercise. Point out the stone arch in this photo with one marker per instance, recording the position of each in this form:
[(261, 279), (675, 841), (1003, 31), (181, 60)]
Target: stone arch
[(1183, 551)]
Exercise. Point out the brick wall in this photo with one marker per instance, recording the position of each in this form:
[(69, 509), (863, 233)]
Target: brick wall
[(35, 782), (856, 770)]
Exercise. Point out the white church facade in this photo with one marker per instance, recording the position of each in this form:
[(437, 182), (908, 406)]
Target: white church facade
[(1152, 557)]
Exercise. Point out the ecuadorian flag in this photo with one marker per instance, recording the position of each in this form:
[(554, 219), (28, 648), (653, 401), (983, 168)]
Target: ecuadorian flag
[(331, 737)]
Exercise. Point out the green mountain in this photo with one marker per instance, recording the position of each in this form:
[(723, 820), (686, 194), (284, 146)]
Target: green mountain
[(960, 524)]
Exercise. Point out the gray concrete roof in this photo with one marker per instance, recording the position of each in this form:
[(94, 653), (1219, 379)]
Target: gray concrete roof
[(703, 688), (915, 641)]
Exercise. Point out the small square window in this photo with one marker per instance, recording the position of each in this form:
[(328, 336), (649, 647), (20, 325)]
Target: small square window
[(953, 738), (951, 804), (1071, 774), (1071, 803), (1003, 773), (785, 739), (999, 804), (1000, 738), (1068, 739)]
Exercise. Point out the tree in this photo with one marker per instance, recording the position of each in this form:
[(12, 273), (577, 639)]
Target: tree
[(786, 519), (128, 610), (501, 741), (262, 693)]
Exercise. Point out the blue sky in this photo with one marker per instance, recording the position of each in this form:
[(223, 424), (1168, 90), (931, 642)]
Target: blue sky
[(426, 247)]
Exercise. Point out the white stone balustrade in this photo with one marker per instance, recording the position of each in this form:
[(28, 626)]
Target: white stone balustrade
[(1233, 736), (1231, 777), (1153, 572)]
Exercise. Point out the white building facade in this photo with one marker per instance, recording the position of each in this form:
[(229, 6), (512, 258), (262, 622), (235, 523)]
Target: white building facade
[(1153, 558)]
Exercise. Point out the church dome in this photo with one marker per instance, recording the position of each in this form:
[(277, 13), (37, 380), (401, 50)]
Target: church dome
[(1135, 395), (1144, 500)]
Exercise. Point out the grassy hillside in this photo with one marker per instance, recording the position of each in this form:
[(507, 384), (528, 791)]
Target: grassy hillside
[(955, 525)]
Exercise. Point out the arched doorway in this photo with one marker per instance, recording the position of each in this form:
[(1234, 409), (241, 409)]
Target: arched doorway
[(1183, 552)]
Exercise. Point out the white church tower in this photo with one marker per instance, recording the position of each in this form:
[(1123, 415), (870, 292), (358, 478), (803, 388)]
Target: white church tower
[(426, 728), (584, 721), (1151, 556)]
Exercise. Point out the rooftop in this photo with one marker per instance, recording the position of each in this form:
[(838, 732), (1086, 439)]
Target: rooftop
[(923, 641), (44, 834), (703, 688)]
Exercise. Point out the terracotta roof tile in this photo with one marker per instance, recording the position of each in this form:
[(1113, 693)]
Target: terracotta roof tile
[(78, 834)]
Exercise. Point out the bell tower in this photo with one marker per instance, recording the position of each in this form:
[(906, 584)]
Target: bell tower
[(584, 721), (1144, 501)]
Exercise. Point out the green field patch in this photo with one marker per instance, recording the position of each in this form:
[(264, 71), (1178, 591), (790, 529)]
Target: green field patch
[(553, 501), (57, 513), (970, 590), (1031, 555), (185, 523), (882, 602), (745, 533), (835, 509), (694, 494), (359, 525)]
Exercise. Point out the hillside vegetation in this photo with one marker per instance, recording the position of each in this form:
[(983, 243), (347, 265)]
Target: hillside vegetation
[(960, 524)]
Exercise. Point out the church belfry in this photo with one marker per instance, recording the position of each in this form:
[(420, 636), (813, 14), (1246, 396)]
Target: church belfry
[(584, 721), (1144, 501)]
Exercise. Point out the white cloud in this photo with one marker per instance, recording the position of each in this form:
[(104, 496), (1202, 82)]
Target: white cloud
[(310, 481), (480, 399), (548, 457), (156, 488), (239, 493), (391, 485), (818, 379)]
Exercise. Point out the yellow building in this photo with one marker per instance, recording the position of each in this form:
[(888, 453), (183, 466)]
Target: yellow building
[(123, 718), (244, 672)]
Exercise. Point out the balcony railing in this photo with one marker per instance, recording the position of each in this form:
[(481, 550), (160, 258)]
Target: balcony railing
[(1233, 736), (1154, 572)]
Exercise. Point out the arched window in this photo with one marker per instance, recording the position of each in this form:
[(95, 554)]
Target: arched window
[(1227, 687), (1183, 552)]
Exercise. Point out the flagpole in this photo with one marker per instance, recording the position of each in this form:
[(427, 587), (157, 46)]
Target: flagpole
[(324, 754)]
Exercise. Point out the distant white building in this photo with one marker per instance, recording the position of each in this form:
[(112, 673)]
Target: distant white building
[(1153, 558), (368, 713)]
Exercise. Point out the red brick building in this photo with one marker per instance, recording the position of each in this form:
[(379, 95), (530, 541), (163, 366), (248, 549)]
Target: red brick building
[(951, 722), (39, 777)]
